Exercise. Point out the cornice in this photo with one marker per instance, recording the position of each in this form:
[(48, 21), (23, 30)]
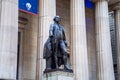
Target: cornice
[(98, 0), (23, 20), (115, 6)]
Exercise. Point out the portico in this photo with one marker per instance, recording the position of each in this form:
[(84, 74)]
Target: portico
[(88, 37)]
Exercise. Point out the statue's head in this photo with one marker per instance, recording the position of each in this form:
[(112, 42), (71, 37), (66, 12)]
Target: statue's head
[(57, 19)]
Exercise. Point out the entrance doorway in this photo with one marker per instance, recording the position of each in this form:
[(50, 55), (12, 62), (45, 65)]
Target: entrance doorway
[(20, 56)]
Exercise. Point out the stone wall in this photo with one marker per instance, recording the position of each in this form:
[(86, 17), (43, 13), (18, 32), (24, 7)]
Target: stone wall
[(91, 42), (30, 31)]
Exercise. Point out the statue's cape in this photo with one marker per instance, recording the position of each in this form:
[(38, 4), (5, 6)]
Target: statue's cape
[(47, 49), (47, 52)]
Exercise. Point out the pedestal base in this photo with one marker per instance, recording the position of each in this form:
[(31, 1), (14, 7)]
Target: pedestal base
[(58, 75)]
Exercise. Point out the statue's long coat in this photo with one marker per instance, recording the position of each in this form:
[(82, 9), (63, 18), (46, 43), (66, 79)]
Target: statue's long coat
[(48, 45), (48, 53)]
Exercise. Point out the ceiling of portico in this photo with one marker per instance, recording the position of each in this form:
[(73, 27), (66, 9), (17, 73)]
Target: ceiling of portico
[(110, 1), (113, 1)]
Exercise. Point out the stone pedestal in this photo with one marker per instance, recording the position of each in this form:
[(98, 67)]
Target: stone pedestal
[(58, 75)]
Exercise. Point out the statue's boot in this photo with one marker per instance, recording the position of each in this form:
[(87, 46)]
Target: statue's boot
[(67, 63), (56, 66), (48, 64), (56, 62), (48, 69)]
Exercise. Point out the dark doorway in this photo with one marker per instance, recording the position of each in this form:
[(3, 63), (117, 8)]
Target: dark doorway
[(20, 56)]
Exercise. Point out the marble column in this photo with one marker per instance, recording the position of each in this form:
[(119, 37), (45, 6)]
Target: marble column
[(78, 40), (0, 7), (116, 9), (8, 39), (47, 11), (103, 43)]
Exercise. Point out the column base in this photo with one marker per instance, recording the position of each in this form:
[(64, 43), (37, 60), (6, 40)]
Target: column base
[(58, 75)]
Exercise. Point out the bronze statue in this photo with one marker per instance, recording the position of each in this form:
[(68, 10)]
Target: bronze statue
[(55, 51)]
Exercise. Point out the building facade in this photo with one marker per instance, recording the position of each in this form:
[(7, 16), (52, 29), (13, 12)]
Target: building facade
[(89, 30)]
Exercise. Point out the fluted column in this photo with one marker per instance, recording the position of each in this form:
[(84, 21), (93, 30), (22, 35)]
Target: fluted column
[(117, 23), (78, 40), (116, 9), (47, 11), (0, 7), (103, 42), (8, 39)]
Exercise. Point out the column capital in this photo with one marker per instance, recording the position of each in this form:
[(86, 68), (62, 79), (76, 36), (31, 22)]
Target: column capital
[(116, 6), (99, 0)]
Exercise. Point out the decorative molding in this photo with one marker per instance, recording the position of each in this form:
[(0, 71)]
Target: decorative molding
[(98, 0), (23, 20), (115, 6)]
